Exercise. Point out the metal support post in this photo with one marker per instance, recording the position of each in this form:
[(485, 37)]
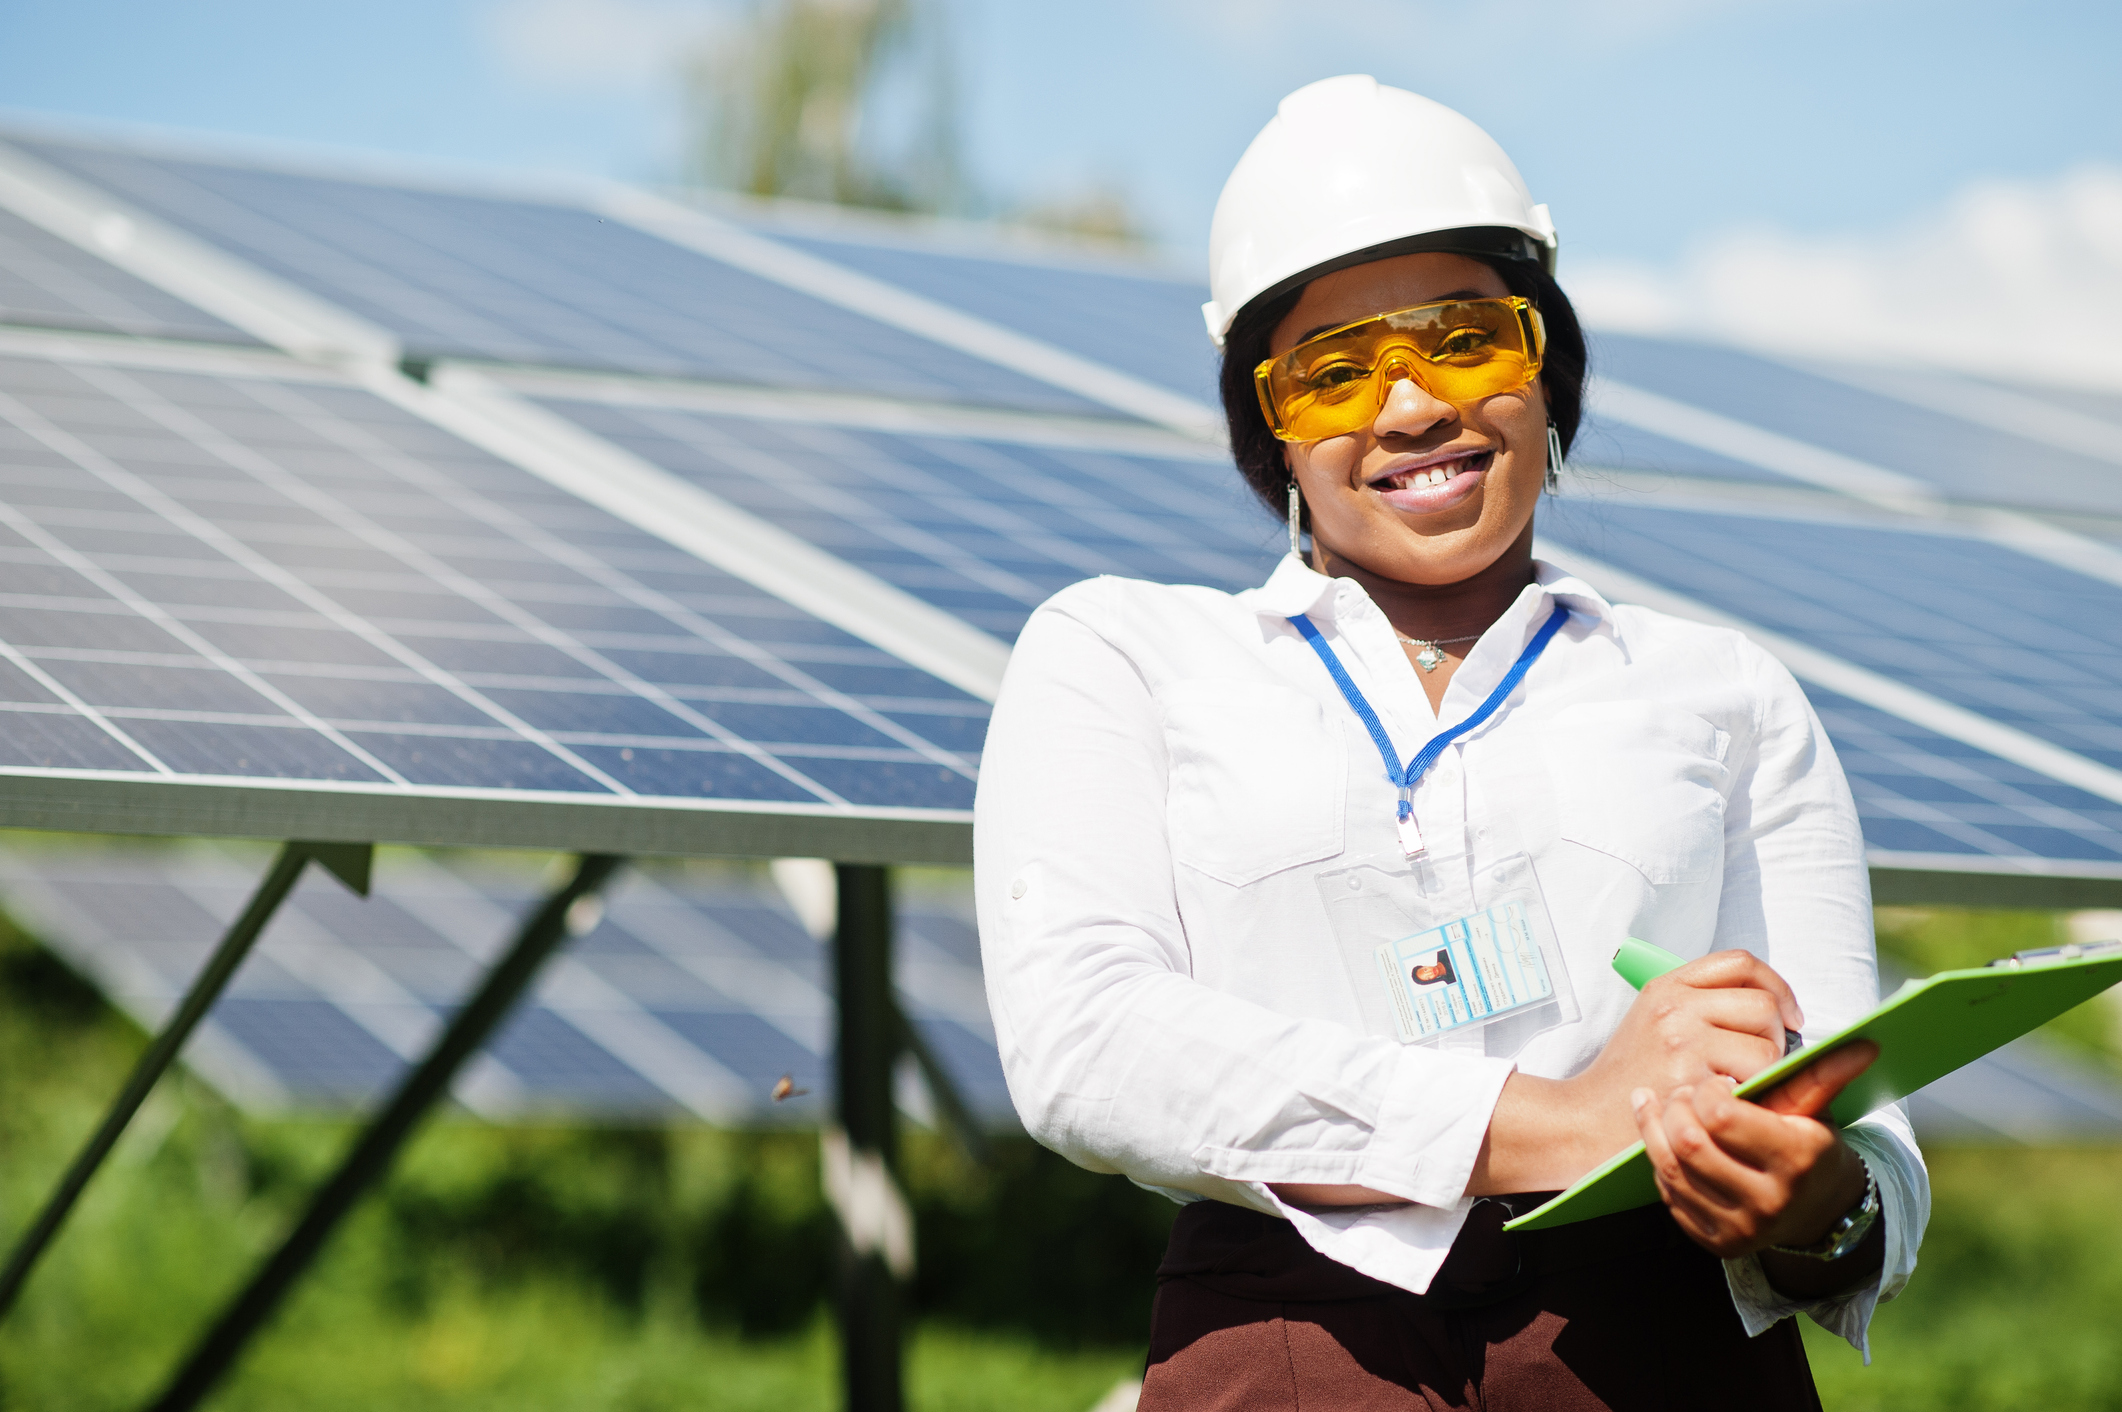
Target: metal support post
[(349, 862), (867, 1049), (371, 1155), (951, 1106)]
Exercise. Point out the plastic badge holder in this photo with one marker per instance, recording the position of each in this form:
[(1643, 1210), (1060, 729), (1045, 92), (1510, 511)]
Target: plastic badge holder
[(1438, 956)]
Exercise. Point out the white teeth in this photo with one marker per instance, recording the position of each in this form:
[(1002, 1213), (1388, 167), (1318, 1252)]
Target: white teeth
[(1435, 476)]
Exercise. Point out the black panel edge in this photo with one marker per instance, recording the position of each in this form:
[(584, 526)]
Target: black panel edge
[(76, 804)]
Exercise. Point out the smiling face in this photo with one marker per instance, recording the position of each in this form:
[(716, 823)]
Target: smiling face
[(1428, 493)]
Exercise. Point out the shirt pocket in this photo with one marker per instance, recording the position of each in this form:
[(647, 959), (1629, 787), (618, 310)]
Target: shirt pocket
[(1258, 778), (1642, 783)]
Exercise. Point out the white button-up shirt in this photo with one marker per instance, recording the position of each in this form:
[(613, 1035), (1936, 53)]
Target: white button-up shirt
[(1170, 770)]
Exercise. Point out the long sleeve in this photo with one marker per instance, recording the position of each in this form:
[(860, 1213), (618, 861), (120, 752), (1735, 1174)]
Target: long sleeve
[(1120, 1060), (1796, 894)]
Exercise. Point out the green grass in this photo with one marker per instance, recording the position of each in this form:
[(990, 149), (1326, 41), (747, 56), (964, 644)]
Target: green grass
[(2017, 1302)]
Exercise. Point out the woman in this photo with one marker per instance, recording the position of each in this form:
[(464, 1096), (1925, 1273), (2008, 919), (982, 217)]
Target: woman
[(1185, 839)]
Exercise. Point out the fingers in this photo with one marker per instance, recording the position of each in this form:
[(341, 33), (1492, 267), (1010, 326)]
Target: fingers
[(1741, 1010), (1701, 1219), (1737, 1057), (1766, 1142), (1808, 1092), (1728, 1171), (1722, 970)]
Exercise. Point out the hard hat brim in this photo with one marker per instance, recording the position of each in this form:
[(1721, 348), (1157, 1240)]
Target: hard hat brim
[(1480, 242)]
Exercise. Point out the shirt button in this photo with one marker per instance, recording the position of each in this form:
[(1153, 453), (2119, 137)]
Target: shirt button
[(1017, 888)]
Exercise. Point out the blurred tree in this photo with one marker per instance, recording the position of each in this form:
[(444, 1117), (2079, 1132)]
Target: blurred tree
[(846, 101), (855, 103)]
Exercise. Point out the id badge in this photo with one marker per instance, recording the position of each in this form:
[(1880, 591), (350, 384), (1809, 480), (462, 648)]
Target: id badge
[(1440, 954)]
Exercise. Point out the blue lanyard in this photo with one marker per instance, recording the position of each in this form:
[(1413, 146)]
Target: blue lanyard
[(1428, 754)]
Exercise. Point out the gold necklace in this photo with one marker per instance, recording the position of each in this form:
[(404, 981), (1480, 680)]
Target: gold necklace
[(1431, 656)]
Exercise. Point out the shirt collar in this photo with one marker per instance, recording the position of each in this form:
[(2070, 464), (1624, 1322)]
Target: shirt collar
[(1295, 587)]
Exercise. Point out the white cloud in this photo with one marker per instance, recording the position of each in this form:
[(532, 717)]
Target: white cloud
[(598, 44), (2008, 277)]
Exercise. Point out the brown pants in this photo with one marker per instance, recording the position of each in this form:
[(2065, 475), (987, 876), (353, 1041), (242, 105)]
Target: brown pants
[(1622, 1313)]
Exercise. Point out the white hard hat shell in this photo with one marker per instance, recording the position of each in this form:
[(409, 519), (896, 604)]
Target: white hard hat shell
[(1348, 165)]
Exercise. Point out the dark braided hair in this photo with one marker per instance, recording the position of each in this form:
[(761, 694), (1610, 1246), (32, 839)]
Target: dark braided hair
[(1258, 452)]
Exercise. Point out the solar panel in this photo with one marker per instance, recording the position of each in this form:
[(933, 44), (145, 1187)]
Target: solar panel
[(1963, 459), (981, 526), (238, 575), (462, 275), (695, 993), (1922, 793), (2013, 638), (1142, 320), (46, 282)]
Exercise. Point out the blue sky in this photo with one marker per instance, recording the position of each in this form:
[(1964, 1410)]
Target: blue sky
[(1649, 126)]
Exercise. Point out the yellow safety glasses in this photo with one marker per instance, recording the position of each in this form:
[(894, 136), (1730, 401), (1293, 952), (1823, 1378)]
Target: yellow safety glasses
[(1459, 350)]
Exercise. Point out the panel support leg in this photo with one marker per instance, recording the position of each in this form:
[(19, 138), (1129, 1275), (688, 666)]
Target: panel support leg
[(371, 1155), (871, 1210), (349, 862)]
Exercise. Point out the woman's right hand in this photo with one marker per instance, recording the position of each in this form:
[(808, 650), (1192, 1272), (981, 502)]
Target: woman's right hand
[(1723, 1014)]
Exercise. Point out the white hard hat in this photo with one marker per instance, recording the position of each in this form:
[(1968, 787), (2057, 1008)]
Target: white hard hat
[(1350, 170)]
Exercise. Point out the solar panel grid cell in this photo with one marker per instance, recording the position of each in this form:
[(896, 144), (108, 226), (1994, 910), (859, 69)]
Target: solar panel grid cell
[(1919, 792), (984, 529), (1964, 460), (215, 603), (47, 282), (1144, 322), (2019, 640), (481, 277)]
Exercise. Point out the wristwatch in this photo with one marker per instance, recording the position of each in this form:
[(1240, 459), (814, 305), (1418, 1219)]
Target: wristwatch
[(1848, 1232)]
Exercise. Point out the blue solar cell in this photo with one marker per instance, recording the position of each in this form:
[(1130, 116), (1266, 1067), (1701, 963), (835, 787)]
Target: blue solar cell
[(698, 665), (267, 751), (20, 688), (909, 784), (350, 700), (41, 741), (457, 275), (971, 1062), (558, 1061), (793, 724), (1920, 792), (1943, 612), (198, 686), (310, 1046), (457, 762), (1609, 443), (46, 282), (1140, 320), (703, 773), (749, 1047), (605, 713), (965, 734), (1964, 460), (984, 529)]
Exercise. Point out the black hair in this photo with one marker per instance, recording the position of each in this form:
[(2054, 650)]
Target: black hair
[(1257, 450)]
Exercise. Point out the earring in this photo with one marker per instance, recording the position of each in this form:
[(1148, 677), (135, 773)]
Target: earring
[(1296, 515), (1554, 455)]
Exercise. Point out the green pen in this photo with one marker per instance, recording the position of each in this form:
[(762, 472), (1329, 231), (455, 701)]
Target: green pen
[(1639, 963)]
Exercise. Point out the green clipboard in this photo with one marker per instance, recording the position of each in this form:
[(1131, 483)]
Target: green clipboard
[(1924, 1031)]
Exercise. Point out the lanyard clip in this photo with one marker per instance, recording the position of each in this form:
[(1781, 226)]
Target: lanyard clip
[(1410, 833)]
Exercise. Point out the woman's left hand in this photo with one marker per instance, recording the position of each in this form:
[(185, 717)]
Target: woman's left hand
[(1740, 1176)]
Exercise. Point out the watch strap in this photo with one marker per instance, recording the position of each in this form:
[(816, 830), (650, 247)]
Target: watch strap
[(1849, 1229)]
